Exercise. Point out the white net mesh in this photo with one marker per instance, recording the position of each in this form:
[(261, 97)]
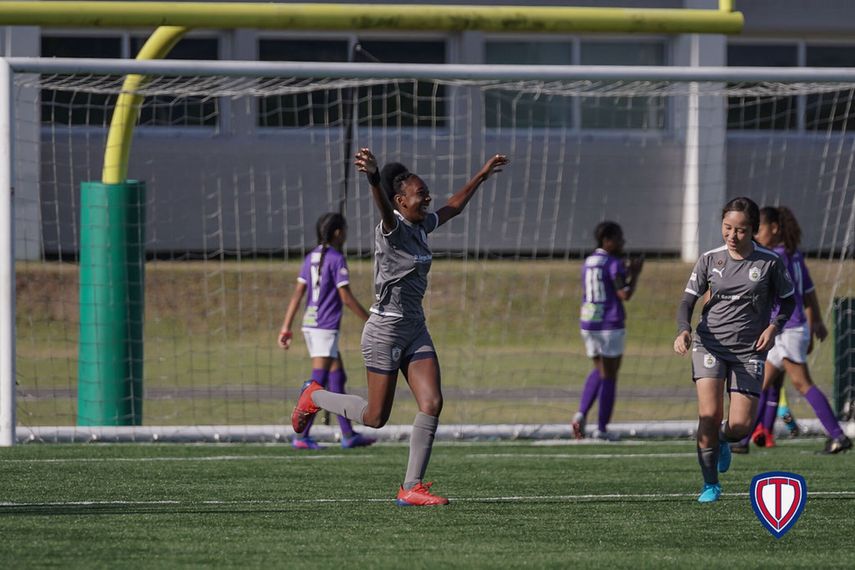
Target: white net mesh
[(238, 169)]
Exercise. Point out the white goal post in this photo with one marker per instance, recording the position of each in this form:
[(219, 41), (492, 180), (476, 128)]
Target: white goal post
[(663, 131)]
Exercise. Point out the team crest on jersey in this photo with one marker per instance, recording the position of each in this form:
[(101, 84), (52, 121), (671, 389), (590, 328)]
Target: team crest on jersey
[(754, 274), (778, 499), (709, 360), (396, 353)]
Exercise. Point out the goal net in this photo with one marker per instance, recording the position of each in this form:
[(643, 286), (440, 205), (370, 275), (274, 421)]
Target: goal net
[(238, 168)]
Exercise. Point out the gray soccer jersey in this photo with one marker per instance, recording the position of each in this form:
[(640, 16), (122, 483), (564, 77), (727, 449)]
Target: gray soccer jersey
[(743, 292), (402, 260)]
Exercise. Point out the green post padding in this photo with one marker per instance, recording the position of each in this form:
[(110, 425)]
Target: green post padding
[(112, 273), (844, 355)]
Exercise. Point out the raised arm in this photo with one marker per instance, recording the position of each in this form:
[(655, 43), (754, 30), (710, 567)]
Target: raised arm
[(458, 202), (365, 162), (285, 334)]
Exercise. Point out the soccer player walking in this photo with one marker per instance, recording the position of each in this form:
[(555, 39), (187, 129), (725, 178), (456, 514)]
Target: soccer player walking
[(324, 275), (733, 336), (396, 336), (606, 282), (780, 231)]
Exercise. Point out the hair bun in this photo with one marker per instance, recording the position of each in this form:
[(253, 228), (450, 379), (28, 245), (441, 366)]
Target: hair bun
[(387, 177)]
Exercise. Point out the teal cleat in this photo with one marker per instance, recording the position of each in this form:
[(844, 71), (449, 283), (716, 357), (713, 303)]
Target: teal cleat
[(710, 493), (724, 457)]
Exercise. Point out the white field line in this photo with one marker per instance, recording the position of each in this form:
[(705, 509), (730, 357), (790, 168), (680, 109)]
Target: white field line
[(340, 456), (499, 499)]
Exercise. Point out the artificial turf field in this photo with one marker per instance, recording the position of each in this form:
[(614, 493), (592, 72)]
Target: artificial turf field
[(524, 504)]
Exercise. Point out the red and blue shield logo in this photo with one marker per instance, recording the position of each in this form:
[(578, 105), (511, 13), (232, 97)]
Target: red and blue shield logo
[(778, 499)]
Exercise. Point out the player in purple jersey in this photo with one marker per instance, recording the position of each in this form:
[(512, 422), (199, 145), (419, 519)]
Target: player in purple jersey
[(396, 338), (780, 231), (735, 332), (325, 277), (606, 281)]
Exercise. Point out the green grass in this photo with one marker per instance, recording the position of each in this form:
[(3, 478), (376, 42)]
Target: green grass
[(498, 326), (513, 505)]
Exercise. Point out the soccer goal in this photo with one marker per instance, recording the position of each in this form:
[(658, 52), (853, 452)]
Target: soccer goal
[(239, 159)]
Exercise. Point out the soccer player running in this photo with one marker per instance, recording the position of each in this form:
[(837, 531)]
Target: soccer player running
[(733, 336), (396, 336), (780, 232), (326, 278), (607, 281)]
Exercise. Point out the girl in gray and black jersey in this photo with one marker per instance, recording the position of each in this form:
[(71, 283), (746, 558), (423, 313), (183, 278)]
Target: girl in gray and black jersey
[(395, 336), (733, 336)]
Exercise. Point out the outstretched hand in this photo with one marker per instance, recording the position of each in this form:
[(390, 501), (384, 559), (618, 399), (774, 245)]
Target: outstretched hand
[(365, 161), (493, 165)]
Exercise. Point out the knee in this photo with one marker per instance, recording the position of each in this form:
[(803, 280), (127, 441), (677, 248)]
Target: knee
[(739, 429), (431, 406), (375, 419), (802, 385), (709, 423)]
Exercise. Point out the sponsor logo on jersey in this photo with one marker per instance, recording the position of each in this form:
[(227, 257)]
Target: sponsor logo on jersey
[(694, 277), (719, 271), (754, 274), (709, 360), (778, 499)]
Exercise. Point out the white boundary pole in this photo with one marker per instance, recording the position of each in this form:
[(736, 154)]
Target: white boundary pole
[(7, 262)]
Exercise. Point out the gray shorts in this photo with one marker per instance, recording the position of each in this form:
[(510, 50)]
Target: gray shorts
[(742, 372), (389, 344)]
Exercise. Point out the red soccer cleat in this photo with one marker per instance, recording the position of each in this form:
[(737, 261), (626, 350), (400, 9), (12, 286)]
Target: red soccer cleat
[(759, 436), (419, 496), (305, 409)]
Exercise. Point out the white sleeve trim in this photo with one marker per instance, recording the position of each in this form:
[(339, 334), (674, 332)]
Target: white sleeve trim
[(695, 293), (342, 283), (790, 294), (300, 280), (811, 290), (384, 234)]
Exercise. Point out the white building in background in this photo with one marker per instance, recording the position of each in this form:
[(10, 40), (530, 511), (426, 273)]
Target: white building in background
[(228, 136)]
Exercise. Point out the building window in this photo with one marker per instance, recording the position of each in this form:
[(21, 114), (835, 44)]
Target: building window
[(511, 109), (95, 109), (766, 112), (390, 105), (78, 107), (190, 111), (642, 112), (506, 109), (830, 111)]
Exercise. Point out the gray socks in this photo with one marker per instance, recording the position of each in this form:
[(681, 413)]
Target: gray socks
[(708, 460), (346, 405), (421, 443)]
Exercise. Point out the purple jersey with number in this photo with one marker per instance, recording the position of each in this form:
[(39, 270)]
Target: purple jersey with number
[(323, 304), (802, 284), (602, 276)]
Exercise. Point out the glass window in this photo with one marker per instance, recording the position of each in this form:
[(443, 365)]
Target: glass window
[(762, 112), (511, 109), (317, 108), (394, 104), (830, 111), (78, 107), (642, 112), (403, 103), (190, 111)]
